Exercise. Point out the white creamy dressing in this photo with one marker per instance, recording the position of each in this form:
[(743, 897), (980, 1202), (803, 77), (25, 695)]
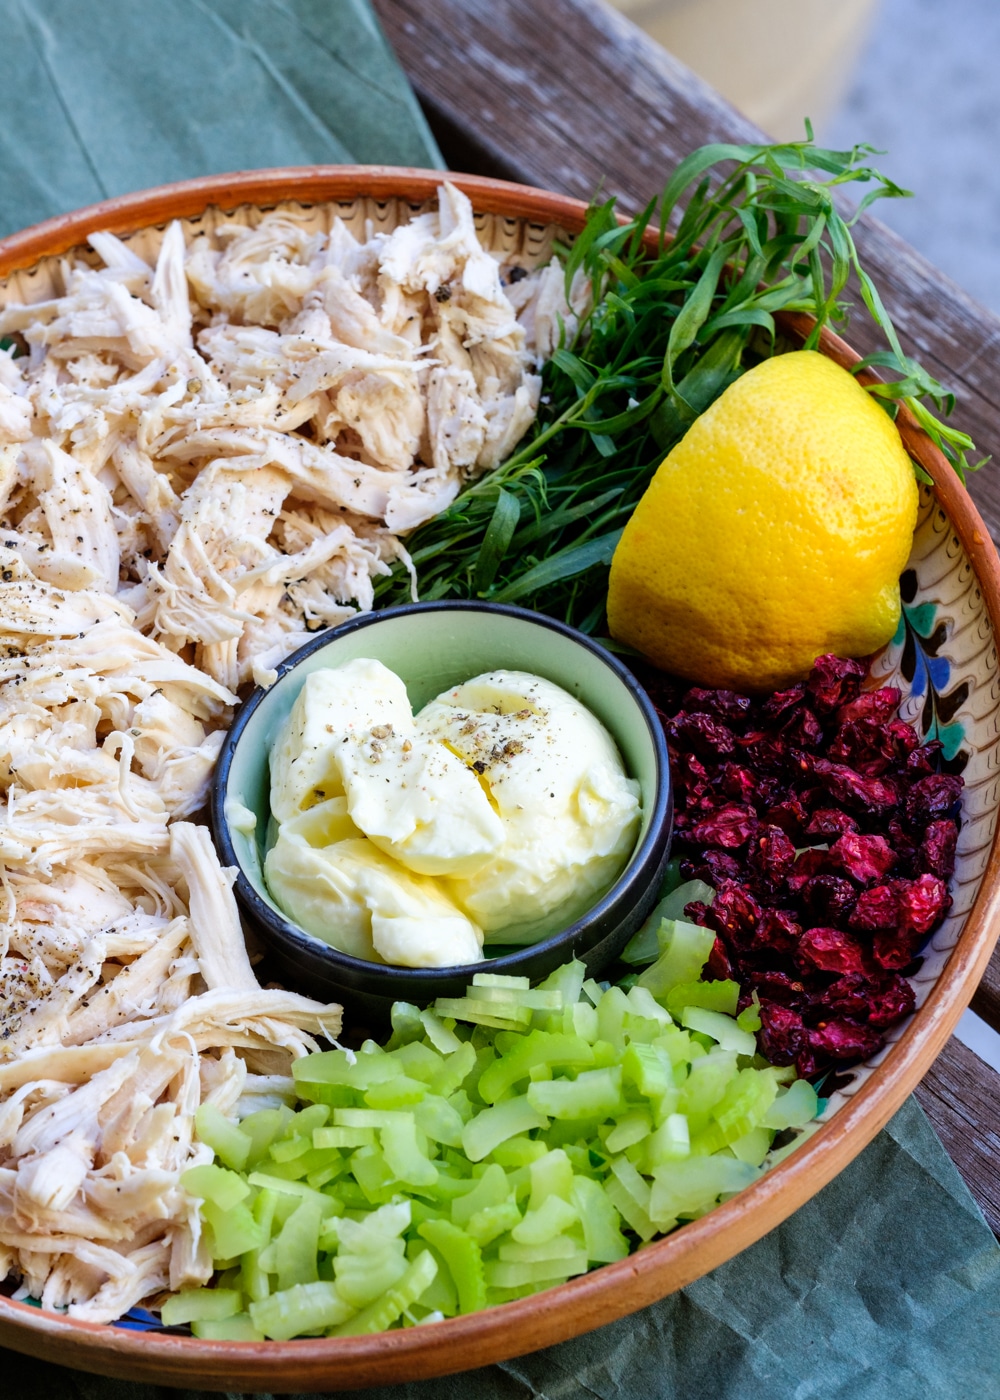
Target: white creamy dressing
[(502, 811)]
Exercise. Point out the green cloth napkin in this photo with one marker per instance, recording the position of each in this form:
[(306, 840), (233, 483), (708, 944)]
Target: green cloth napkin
[(888, 1282), (101, 97)]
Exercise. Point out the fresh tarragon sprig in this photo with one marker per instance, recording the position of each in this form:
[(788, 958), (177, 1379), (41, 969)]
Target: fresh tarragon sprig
[(753, 230)]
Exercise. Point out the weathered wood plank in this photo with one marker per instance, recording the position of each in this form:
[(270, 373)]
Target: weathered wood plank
[(572, 96), (959, 1096)]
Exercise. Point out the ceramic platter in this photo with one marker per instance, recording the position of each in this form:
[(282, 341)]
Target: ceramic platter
[(944, 659)]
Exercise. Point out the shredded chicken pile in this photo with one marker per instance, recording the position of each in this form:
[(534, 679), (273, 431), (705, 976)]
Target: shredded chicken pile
[(200, 462)]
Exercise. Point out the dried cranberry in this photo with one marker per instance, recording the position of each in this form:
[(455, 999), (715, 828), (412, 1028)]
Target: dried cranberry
[(844, 1040), (804, 730), (782, 1033), (879, 705), (700, 732), (718, 966), (892, 1003), (870, 794), (877, 908), (734, 914), (724, 703), (936, 855), (828, 899), (808, 863), (764, 750), (851, 996), (790, 815), (924, 758), (833, 682), (863, 858), (713, 868), (737, 783), (781, 703), (922, 903), (730, 826), (780, 988), (830, 821), (830, 950), (777, 931), (933, 796), (771, 855)]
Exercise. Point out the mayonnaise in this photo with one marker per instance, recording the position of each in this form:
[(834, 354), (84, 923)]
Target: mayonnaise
[(503, 807)]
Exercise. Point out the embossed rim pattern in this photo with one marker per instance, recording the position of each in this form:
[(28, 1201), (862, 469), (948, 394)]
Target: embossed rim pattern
[(613, 1290)]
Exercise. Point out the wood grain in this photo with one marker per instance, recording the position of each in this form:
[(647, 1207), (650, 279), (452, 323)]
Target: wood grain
[(958, 1094)]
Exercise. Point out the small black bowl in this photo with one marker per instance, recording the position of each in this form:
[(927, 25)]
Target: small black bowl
[(432, 646)]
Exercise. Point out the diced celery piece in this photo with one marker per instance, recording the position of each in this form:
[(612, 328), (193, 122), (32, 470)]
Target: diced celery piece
[(551, 1175), (793, 1108), (400, 1092), (568, 978), (753, 1147), (238, 1328), (444, 1040), (494, 1125), (634, 1215), (308, 1119), (721, 1028), (436, 1117), (343, 1137), (745, 1103), (490, 1222), (644, 946), (234, 1230), (211, 1183), (361, 1278), (419, 1061), (501, 981), (501, 1016), (602, 1235), (407, 1024), (291, 1188), (670, 1142), (721, 996), (454, 1071), (373, 1174), (253, 1277), (490, 1190), (441, 1295), (550, 1219), (501, 1274), (685, 950), (403, 1153), (611, 1012), (344, 1067), (263, 1128), (193, 1304), (555, 1049), (295, 1312), (632, 1127), (584, 1018), (643, 1002), (595, 1093), (518, 1152), (289, 1148), (749, 1017), (402, 1295), (689, 1188), (366, 1117), (540, 1252), (230, 1144), (649, 1068), (464, 1259), (296, 1248), (705, 1085)]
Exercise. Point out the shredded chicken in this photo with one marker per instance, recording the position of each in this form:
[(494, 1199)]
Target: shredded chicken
[(201, 462)]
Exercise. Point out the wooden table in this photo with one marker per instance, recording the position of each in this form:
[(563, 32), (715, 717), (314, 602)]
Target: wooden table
[(570, 96)]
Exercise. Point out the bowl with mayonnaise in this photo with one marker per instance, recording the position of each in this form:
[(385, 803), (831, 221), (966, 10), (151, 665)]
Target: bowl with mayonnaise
[(442, 789)]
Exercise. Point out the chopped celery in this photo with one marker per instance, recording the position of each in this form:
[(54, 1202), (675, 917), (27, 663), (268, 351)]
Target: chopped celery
[(553, 1130), (645, 945)]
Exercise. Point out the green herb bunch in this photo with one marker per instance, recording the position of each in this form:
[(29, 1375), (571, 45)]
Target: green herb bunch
[(757, 231)]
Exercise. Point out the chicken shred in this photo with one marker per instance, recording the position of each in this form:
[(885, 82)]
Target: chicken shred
[(201, 462)]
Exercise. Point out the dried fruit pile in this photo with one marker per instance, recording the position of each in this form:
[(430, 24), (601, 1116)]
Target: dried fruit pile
[(829, 835)]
